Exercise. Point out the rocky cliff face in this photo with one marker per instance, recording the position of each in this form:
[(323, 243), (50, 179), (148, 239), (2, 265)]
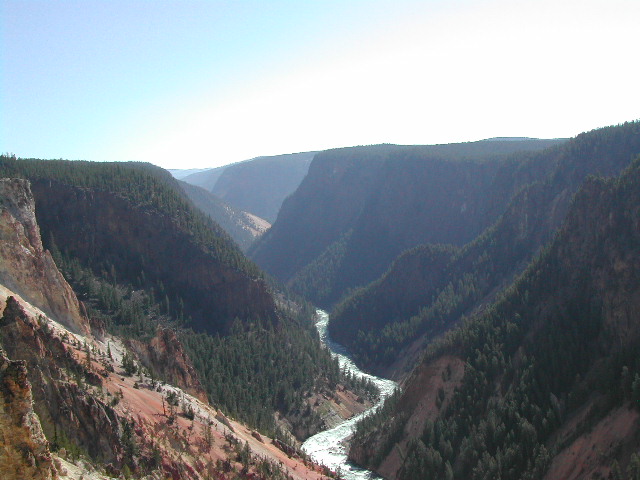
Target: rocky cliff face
[(24, 450), (165, 356), (25, 267), (62, 405)]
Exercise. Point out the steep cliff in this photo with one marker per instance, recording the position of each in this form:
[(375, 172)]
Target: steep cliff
[(387, 198), (26, 267), (165, 356), (64, 407), (24, 450)]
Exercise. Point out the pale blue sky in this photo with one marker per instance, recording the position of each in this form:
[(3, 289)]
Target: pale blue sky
[(190, 84)]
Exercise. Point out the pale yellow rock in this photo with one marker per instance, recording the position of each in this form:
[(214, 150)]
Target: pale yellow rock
[(24, 450)]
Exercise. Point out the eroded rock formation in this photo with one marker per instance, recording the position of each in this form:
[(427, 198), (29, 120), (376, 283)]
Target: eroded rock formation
[(165, 356), (24, 450), (63, 405), (26, 267)]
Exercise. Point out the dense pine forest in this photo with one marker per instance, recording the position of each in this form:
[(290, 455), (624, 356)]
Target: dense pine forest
[(521, 386), (560, 344)]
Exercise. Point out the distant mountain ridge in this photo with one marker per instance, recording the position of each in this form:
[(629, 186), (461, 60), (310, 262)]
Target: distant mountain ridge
[(179, 173), (515, 139), (204, 178), (258, 186)]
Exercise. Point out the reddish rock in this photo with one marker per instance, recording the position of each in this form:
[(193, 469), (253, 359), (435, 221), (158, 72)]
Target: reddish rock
[(165, 355)]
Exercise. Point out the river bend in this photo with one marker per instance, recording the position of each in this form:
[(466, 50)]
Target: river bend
[(330, 446)]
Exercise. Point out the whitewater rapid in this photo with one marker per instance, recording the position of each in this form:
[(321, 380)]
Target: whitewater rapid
[(330, 446)]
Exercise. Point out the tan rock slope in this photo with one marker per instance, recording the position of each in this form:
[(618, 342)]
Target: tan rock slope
[(25, 267)]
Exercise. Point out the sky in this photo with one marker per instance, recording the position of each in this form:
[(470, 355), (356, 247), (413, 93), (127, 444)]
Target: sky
[(199, 84)]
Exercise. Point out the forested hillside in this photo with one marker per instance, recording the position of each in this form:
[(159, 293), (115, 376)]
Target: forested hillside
[(123, 219), (531, 386), (141, 256), (429, 288), (358, 208)]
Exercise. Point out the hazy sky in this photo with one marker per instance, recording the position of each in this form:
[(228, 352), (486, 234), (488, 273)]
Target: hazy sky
[(187, 84)]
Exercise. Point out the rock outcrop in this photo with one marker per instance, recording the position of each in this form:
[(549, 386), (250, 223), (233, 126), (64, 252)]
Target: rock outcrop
[(24, 450), (165, 356), (26, 268), (63, 406)]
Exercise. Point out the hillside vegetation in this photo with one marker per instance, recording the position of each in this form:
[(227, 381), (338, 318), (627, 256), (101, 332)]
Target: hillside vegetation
[(359, 208), (532, 387), (429, 288)]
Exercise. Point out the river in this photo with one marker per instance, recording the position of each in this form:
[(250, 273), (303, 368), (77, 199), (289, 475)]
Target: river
[(330, 447)]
